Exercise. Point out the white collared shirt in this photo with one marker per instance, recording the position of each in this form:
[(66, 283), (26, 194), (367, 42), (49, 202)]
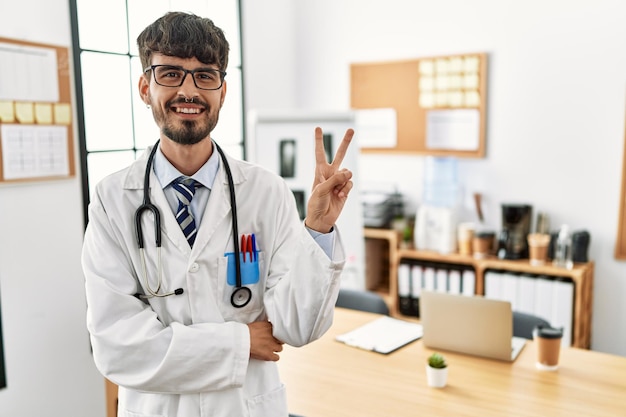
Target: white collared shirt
[(166, 173)]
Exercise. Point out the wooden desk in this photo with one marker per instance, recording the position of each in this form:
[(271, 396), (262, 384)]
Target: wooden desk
[(328, 379)]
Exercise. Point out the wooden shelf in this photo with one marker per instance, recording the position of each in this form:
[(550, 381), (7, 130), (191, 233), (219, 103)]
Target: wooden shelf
[(384, 283), (581, 276)]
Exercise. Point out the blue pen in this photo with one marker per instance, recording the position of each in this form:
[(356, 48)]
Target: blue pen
[(254, 246)]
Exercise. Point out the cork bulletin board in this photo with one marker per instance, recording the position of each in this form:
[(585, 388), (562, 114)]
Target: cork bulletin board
[(440, 102), (36, 132)]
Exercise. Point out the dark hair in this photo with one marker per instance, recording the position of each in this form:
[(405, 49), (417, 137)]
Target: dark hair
[(184, 35)]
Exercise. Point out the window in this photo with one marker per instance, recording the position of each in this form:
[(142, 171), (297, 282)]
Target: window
[(114, 125)]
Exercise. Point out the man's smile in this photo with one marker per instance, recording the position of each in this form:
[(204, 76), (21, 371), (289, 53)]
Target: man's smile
[(188, 110)]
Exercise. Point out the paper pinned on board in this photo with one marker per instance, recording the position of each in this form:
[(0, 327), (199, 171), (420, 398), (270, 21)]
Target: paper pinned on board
[(377, 128), (30, 151), (453, 129)]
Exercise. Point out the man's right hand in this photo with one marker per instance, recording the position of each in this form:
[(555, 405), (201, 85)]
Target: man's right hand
[(263, 344)]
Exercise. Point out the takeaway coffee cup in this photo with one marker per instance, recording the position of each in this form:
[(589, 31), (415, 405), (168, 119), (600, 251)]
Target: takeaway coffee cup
[(548, 346), (482, 244), (465, 237), (538, 248)]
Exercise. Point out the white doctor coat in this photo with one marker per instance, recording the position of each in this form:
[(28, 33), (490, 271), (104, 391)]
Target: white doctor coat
[(188, 355)]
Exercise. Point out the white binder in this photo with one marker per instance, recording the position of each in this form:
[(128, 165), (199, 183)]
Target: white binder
[(468, 282), (508, 289), (429, 278), (543, 298), (454, 281), (562, 306), (416, 281), (526, 294), (493, 285), (442, 280), (404, 280)]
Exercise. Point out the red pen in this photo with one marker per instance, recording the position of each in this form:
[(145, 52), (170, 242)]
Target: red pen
[(244, 246)]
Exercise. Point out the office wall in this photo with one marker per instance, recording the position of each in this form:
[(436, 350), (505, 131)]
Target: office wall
[(556, 103), (48, 359)]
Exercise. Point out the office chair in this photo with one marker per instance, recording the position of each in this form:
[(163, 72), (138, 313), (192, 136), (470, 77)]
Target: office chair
[(524, 323), (362, 300)]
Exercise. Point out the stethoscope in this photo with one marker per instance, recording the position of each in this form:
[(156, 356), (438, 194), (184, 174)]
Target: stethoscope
[(241, 295)]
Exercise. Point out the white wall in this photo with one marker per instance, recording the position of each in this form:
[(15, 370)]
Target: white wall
[(49, 367), (556, 104)]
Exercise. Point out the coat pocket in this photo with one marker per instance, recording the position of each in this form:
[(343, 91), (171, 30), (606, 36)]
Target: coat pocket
[(252, 285), (273, 403)]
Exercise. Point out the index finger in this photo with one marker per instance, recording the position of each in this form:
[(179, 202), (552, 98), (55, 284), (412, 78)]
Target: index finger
[(343, 148)]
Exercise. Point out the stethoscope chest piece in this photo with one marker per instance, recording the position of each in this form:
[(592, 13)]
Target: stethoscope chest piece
[(241, 297)]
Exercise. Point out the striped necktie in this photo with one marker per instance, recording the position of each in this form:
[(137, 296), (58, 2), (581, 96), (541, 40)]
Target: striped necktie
[(185, 187)]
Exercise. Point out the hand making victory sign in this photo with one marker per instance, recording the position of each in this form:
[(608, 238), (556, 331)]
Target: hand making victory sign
[(331, 185)]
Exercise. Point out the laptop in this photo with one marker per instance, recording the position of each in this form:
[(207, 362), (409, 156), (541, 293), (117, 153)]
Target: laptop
[(472, 325)]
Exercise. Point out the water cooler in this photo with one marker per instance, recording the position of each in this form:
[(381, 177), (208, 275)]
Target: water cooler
[(436, 218)]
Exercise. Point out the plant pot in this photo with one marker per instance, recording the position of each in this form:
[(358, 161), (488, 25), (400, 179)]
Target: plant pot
[(436, 377)]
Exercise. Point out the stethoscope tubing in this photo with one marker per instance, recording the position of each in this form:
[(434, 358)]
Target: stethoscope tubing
[(148, 206)]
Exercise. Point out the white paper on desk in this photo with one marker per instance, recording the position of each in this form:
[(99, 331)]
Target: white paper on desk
[(383, 335)]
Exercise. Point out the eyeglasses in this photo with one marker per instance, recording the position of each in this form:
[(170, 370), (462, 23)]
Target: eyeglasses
[(174, 76)]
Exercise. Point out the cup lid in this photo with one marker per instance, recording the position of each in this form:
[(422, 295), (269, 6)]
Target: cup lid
[(548, 332)]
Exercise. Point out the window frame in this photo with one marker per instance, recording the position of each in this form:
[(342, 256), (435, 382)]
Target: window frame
[(80, 105)]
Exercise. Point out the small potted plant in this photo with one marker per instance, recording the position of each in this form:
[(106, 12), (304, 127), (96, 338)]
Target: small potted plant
[(436, 371)]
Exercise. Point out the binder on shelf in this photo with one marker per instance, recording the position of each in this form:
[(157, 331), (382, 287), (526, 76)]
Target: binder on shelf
[(543, 298), (468, 282), (441, 275), (454, 281), (404, 289), (429, 278), (493, 284), (416, 289), (508, 289), (562, 314), (526, 294)]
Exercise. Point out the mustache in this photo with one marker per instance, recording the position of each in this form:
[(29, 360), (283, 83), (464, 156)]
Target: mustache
[(182, 101)]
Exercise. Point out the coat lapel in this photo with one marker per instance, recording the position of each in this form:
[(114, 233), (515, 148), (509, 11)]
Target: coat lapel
[(215, 227)]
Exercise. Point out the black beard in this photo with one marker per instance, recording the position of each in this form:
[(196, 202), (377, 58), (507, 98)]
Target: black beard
[(188, 134)]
